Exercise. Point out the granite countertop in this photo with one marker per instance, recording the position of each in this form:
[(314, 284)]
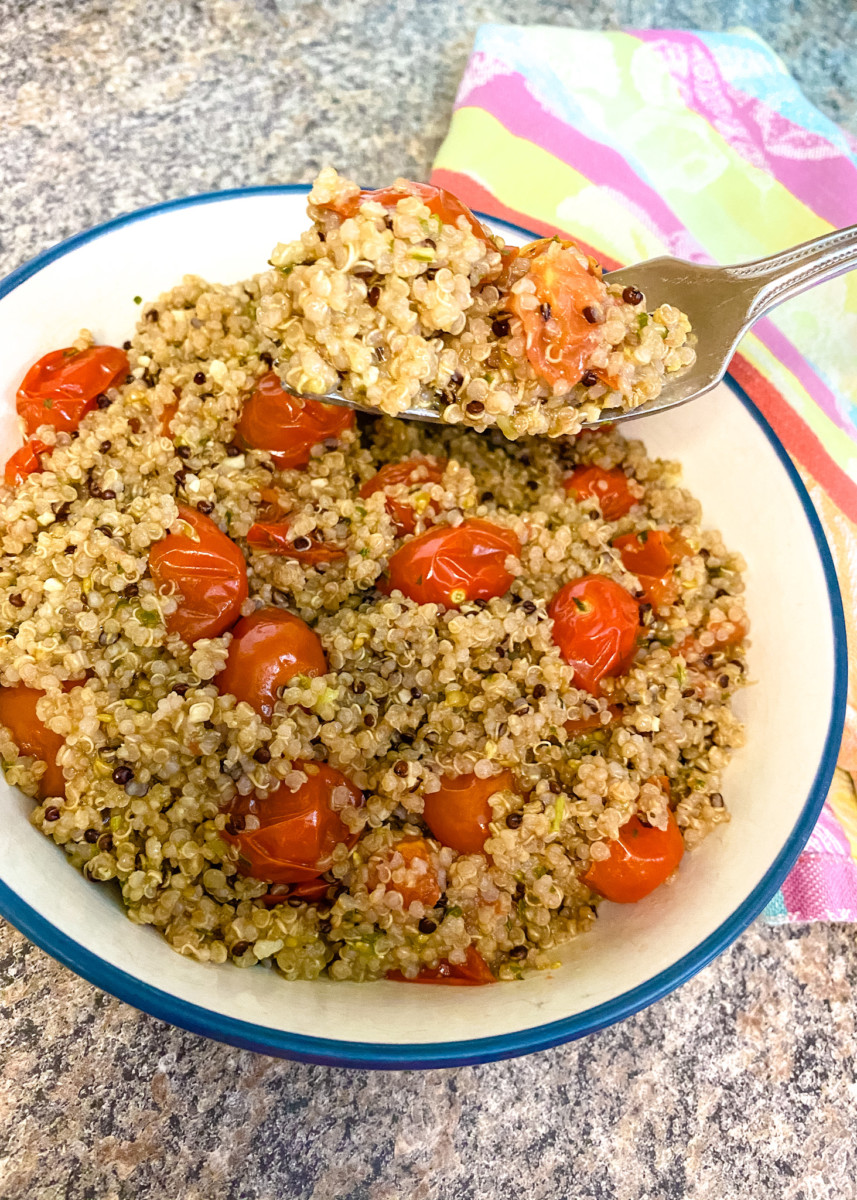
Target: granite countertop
[(742, 1084)]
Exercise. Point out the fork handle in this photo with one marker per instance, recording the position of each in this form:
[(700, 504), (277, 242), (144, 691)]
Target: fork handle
[(770, 281)]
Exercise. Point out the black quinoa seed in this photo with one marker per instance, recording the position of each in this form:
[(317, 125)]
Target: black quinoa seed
[(91, 836), (108, 494), (180, 476), (199, 377), (715, 800), (475, 407), (131, 590), (688, 692), (93, 488), (528, 606), (52, 813), (17, 601), (500, 327), (518, 953), (589, 379), (262, 755), (415, 692), (724, 681), (520, 892), (709, 660), (532, 485), (373, 296), (105, 529), (427, 925), (369, 721), (103, 401), (239, 949), (593, 315), (123, 775), (126, 345), (69, 550), (233, 451), (183, 451), (456, 379), (545, 310), (632, 295), (105, 446), (539, 690), (400, 768), (181, 689), (515, 820), (205, 507), (359, 687), (487, 497), (720, 592), (325, 928), (152, 314), (265, 357), (105, 842)]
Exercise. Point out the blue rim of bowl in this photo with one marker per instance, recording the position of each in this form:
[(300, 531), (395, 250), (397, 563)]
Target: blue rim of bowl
[(331, 1052)]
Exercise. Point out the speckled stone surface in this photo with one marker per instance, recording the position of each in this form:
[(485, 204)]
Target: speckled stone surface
[(741, 1085)]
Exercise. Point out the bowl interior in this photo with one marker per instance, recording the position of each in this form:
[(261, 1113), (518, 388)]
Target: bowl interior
[(774, 786)]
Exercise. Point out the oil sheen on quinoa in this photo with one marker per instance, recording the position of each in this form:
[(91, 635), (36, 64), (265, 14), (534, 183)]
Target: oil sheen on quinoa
[(395, 303), (154, 756)]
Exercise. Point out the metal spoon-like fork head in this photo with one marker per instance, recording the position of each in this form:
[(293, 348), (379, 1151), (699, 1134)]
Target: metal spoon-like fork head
[(721, 302)]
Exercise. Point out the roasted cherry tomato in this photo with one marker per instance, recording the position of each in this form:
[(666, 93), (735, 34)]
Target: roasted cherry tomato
[(559, 338), (415, 471), (208, 570), (452, 564), (422, 884), (272, 537), (587, 724), (472, 973), (595, 625), (288, 426), (653, 556), (24, 462), (269, 648), (459, 813), (298, 831), (609, 488), (640, 861), (61, 388), (32, 736), (438, 200)]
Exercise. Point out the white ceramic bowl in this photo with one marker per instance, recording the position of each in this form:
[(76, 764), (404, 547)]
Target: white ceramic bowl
[(775, 787)]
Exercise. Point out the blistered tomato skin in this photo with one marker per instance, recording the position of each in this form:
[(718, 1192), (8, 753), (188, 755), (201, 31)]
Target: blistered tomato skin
[(209, 571), (596, 624), (640, 860), (268, 649), (459, 813), (287, 426), (63, 386), (450, 565), (609, 487), (419, 470), (298, 830)]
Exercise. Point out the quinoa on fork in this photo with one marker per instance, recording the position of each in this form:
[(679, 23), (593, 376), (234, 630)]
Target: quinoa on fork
[(400, 296)]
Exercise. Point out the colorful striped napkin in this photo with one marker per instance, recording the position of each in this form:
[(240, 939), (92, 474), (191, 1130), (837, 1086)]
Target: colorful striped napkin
[(699, 145)]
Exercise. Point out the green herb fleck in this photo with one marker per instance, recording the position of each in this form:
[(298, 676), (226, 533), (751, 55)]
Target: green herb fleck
[(138, 299), (558, 814)]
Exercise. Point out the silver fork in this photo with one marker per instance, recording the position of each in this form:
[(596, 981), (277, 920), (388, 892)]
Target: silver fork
[(721, 302)]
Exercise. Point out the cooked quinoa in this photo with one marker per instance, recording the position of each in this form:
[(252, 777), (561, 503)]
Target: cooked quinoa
[(156, 759), (395, 307)]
